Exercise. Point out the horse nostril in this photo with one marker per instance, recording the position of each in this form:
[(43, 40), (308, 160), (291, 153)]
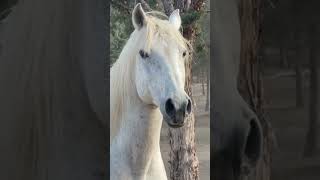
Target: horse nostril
[(189, 106), (170, 109)]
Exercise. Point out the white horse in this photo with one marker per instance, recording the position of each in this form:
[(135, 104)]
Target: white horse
[(147, 85)]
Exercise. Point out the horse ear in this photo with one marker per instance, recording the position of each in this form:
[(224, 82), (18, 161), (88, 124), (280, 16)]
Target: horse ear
[(138, 16), (175, 19)]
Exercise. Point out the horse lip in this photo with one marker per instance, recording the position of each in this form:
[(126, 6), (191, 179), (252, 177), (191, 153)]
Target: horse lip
[(170, 121), (175, 125)]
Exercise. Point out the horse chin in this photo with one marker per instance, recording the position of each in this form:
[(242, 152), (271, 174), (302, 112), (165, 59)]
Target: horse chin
[(175, 125), (170, 123)]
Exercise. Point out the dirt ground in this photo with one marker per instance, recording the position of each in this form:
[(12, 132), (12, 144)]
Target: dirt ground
[(290, 125), (202, 134)]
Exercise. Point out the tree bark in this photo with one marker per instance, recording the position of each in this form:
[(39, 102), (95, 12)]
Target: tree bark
[(184, 164), (312, 134), (298, 69), (250, 82), (299, 82), (208, 91), (300, 50), (168, 6), (284, 56), (202, 82)]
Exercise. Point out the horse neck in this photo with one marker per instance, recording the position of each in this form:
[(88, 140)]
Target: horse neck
[(137, 126), (141, 126), (139, 137)]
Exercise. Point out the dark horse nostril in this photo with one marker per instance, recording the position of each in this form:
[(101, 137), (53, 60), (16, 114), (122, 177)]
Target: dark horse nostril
[(189, 106), (170, 109)]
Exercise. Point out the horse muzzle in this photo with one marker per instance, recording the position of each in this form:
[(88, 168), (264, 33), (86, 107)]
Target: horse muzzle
[(175, 112)]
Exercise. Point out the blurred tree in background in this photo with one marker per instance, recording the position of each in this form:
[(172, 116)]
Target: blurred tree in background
[(201, 46), (120, 28)]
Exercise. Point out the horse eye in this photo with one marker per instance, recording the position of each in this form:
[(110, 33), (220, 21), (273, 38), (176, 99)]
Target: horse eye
[(184, 53), (143, 54)]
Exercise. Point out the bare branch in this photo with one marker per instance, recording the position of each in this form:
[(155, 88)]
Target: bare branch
[(121, 6), (145, 5), (168, 6), (178, 4)]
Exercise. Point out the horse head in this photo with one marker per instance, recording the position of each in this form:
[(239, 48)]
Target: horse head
[(160, 65)]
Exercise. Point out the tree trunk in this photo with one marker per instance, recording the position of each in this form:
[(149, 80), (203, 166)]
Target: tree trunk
[(312, 134), (284, 56), (202, 83), (184, 164), (250, 82), (301, 55), (208, 90), (299, 85), (299, 76)]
